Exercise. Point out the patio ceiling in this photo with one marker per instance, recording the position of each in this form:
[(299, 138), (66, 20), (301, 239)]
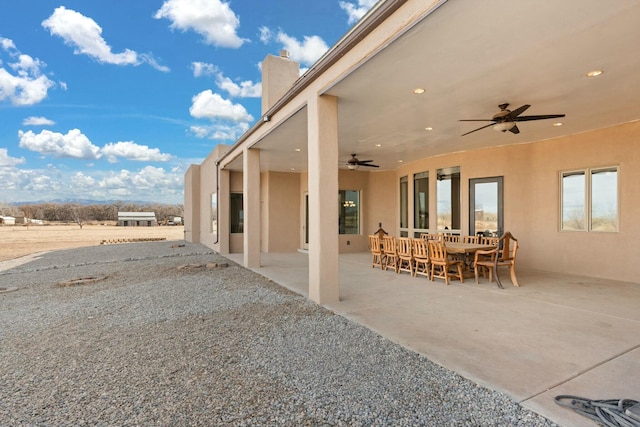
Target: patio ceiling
[(471, 56)]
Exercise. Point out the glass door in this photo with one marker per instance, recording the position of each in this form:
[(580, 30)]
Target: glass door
[(485, 206)]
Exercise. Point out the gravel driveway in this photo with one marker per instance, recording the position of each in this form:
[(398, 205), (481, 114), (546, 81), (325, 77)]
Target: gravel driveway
[(153, 344)]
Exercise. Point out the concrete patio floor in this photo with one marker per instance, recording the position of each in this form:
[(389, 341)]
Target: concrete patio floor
[(555, 334)]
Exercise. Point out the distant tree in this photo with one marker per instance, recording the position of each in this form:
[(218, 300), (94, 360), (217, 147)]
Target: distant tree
[(78, 215)]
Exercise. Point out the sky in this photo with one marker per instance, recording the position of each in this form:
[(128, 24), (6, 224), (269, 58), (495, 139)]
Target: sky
[(112, 100)]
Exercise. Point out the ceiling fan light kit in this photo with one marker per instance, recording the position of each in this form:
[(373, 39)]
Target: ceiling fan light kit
[(354, 163), (505, 120)]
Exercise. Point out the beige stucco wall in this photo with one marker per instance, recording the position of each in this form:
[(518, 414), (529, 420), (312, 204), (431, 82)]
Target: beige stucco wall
[(192, 204), (281, 205)]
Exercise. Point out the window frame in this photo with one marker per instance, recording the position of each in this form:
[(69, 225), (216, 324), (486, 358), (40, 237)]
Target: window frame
[(587, 174)]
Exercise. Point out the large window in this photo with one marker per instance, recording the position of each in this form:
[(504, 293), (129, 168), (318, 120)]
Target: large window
[(448, 198), (590, 200), (421, 200), (349, 219), (237, 213)]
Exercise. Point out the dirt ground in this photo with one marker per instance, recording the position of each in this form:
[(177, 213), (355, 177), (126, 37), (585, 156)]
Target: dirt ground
[(18, 241)]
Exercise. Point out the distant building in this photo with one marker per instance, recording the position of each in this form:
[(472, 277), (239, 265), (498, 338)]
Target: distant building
[(7, 220), (137, 219)]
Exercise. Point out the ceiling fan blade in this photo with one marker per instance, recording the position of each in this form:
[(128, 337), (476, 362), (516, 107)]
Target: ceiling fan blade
[(475, 130), (515, 113), (370, 165), (541, 117), (364, 161), (514, 129)]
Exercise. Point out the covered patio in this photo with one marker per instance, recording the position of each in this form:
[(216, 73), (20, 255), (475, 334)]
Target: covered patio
[(555, 334)]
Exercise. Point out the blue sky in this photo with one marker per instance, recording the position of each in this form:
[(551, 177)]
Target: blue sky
[(114, 99)]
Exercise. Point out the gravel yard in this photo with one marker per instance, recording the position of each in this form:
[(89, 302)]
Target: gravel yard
[(157, 345)]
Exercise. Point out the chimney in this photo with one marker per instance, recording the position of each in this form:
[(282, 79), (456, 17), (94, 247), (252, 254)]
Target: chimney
[(278, 75)]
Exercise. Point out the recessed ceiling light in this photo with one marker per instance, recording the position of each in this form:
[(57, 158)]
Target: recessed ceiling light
[(429, 128), (594, 73), (292, 169), (558, 124), (399, 161), (378, 145), (297, 149), (418, 90)]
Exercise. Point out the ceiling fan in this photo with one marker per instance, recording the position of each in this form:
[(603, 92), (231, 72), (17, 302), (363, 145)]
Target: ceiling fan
[(353, 163), (506, 120)]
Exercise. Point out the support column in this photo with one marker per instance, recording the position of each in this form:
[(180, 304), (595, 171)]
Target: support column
[(224, 219), (324, 286), (251, 206)]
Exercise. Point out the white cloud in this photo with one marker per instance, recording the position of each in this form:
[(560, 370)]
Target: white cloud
[(83, 181), (148, 184), (212, 106), (84, 34), (213, 19), (28, 85), (355, 11), (306, 52), (37, 121), (74, 144), (220, 131), (265, 34), (245, 89), (8, 161), (203, 69), (132, 151)]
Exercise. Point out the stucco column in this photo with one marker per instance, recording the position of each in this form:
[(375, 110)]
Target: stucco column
[(251, 206), (224, 219), (324, 286)]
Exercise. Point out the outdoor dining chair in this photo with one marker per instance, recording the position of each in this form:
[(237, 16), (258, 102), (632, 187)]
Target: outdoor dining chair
[(390, 253), (421, 258), (503, 255), (405, 255), (377, 257), (441, 262)]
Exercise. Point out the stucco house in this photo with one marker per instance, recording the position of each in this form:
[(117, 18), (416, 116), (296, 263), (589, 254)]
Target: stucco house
[(402, 88)]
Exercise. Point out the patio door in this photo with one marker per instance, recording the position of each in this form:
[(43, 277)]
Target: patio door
[(486, 206)]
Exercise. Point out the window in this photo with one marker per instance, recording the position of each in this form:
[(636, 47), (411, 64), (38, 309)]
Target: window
[(448, 198), (349, 219), (404, 202), (589, 200), (421, 200), (237, 213)]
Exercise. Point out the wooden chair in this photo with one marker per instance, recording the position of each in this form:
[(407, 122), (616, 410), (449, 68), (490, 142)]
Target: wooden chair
[(377, 257), (450, 238), (405, 255), (438, 257), (504, 255), (429, 236), (471, 239), (491, 241), (390, 250), (421, 257)]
